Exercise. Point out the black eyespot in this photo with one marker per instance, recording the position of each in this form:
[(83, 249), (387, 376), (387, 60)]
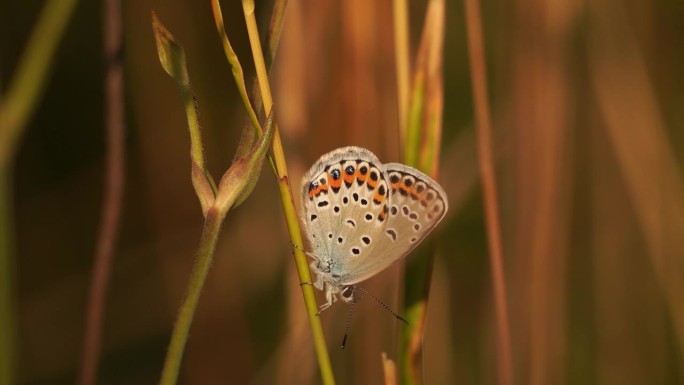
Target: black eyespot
[(374, 176), (420, 188), (364, 202), (330, 235), (413, 216), (345, 200), (416, 226), (313, 217), (336, 209), (405, 210), (366, 240), (352, 223), (313, 186), (335, 174), (408, 182), (363, 170), (394, 210), (349, 170), (355, 196), (340, 239), (322, 203), (369, 217), (356, 250), (414, 239), (392, 234), (321, 181), (381, 189), (394, 178)]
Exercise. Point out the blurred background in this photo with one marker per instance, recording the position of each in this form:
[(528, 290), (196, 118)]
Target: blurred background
[(587, 116)]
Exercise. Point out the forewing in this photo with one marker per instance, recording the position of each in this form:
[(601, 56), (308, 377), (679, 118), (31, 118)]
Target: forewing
[(344, 198)]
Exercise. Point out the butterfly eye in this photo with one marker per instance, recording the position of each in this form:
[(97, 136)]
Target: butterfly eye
[(347, 292)]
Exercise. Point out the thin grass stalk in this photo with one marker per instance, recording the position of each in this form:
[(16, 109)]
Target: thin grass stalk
[(403, 64), (111, 210), (421, 150), (287, 201), (486, 162), (7, 270), (26, 86)]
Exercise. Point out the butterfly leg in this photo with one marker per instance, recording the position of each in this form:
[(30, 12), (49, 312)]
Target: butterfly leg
[(330, 297)]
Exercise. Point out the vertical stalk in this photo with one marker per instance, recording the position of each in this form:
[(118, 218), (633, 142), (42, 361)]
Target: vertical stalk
[(114, 186), (16, 107), (205, 256), (7, 314), (287, 201), (486, 161)]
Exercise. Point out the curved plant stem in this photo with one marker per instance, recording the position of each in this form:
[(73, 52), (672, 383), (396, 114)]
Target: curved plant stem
[(287, 201), (486, 161), (27, 84), (205, 255)]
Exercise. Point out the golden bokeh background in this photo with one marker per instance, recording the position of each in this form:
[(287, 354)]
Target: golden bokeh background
[(586, 101)]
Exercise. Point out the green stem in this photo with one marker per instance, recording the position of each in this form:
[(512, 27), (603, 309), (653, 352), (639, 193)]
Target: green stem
[(205, 255), (7, 324), (302, 264), (287, 201), (27, 84)]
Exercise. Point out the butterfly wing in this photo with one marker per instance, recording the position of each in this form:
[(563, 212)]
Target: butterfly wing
[(416, 204), (344, 197)]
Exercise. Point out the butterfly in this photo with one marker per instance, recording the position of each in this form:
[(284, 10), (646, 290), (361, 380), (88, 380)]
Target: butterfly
[(360, 216)]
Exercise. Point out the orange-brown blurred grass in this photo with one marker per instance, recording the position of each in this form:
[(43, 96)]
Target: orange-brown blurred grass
[(587, 130)]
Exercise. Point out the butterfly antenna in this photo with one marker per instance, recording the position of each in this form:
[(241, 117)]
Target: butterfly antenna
[(397, 316), (348, 326)]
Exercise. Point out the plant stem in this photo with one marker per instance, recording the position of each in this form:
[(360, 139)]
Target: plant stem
[(7, 320), (26, 86), (287, 201), (486, 161), (111, 205), (401, 49), (205, 256)]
